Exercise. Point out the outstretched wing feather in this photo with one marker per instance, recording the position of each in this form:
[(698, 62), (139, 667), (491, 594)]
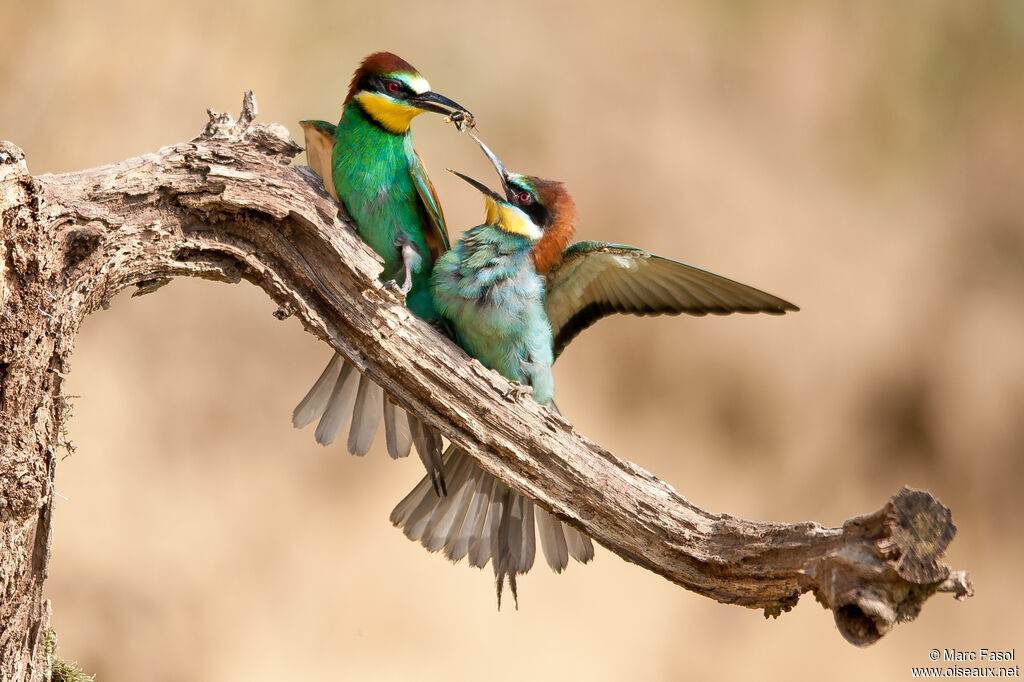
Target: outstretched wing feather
[(596, 279)]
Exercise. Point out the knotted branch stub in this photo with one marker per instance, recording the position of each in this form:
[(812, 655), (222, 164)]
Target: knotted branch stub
[(228, 206)]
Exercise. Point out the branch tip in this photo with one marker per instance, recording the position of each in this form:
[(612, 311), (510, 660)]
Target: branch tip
[(959, 583), (920, 529), (12, 160), (269, 137), (10, 152), (249, 109), (221, 124)]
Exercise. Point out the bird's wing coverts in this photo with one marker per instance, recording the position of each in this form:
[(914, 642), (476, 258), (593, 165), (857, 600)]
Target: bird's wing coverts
[(437, 235), (319, 148), (597, 279)]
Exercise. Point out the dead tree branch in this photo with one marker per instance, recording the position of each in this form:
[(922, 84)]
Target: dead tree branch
[(227, 206)]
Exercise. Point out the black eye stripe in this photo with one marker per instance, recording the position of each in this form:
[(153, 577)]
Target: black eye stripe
[(538, 213), (403, 89), (380, 84)]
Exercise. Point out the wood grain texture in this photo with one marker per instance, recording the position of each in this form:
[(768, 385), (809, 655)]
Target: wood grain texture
[(228, 206)]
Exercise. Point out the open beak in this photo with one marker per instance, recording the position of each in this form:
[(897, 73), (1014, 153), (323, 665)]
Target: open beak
[(503, 172), (431, 101), (487, 191), (503, 213)]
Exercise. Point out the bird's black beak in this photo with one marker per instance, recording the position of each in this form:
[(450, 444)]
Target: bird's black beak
[(431, 101), (487, 191), (503, 172)]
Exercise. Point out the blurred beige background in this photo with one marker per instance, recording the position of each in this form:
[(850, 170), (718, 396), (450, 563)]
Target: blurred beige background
[(864, 160)]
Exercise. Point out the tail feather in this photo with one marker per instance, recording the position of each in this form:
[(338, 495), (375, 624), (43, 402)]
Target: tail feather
[(428, 446), (312, 406), (485, 546), (552, 541), (339, 404), (529, 550), (396, 430), (472, 525), (449, 516), (521, 538), (366, 416), (412, 514), (528, 547), (581, 547), (485, 521), (503, 560)]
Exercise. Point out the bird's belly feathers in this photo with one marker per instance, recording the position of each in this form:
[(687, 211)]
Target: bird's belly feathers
[(506, 329)]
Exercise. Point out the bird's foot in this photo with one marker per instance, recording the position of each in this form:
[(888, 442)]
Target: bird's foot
[(517, 392), (407, 284), (411, 260), (395, 288)]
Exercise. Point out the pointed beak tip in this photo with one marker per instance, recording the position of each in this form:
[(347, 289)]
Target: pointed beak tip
[(432, 101), (481, 187)]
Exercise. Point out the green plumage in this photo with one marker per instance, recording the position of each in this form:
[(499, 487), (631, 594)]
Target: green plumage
[(368, 163), (375, 173)]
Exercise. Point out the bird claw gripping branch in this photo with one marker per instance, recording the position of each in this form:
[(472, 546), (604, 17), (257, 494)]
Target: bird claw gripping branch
[(517, 391)]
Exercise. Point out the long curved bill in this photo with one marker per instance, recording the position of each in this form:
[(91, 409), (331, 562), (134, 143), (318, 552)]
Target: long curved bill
[(503, 172), (431, 101), (487, 191)]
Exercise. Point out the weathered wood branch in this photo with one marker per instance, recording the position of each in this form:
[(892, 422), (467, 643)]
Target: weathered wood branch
[(227, 206)]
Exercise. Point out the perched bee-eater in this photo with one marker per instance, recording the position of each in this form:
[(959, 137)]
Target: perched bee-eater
[(368, 163), (515, 296)]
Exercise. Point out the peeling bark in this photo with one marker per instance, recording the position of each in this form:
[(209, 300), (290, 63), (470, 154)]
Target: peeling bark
[(227, 206)]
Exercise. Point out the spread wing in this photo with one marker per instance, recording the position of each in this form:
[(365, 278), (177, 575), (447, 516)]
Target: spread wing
[(437, 235), (319, 145), (596, 279)]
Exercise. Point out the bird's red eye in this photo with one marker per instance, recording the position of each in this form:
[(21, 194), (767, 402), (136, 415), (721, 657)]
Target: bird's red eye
[(392, 86), (524, 197)]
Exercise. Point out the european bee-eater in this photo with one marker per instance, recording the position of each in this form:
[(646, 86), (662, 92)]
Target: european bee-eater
[(368, 163), (515, 296)]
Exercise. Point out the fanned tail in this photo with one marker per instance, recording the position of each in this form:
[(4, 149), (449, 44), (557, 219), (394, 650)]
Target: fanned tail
[(485, 520), (342, 393)]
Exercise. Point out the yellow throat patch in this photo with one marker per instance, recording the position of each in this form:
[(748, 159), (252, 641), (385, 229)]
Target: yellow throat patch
[(395, 117), (511, 219)]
